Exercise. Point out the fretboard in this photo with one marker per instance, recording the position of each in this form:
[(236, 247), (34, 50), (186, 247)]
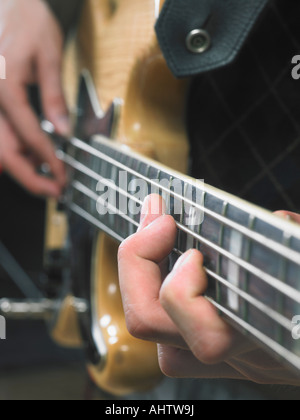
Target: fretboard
[(252, 257)]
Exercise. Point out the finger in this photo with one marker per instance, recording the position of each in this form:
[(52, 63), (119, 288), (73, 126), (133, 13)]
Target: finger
[(24, 173), (50, 82), (17, 108), (294, 217), (153, 207), (208, 336), (179, 363), (20, 168), (140, 278)]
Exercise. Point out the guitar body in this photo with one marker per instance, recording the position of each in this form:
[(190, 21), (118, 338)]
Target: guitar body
[(117, 45)]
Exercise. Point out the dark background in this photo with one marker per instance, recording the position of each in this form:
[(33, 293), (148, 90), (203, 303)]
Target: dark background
[(28, 347)]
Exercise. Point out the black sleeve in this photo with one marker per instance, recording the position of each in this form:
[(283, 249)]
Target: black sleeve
[(66, 11)]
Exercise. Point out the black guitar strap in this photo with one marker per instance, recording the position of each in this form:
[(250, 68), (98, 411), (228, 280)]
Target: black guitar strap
[(201, 35)]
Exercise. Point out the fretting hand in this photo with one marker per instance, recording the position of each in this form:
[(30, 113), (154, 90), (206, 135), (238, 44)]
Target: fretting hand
[(171, 310)]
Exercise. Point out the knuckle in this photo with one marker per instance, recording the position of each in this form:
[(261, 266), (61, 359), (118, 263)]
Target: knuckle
[(208, 351), (167, 367), (136, 325), (204, 356), (126, 249), (170, 293), (123, 251), (165, 296)]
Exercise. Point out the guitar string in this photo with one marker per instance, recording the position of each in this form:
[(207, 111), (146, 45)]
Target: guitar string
[(280, 319), (272, 281), (283, 352), (284, 251), (286, 354), (255, 302), (289, 356)]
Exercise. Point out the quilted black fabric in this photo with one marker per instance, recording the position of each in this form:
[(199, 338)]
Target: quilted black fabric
[(244, 119)]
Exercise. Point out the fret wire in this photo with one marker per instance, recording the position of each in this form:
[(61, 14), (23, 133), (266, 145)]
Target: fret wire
[(158, 178), (251, 225), (275, 283), (168, 198), (201, 224), (147, 175), (184, 212), (113, 177), (286, 241), (257, 237), (169, 206), (282, 275), (287, 355), (280, 319), (138, 166), (219, 262), (180, 236)]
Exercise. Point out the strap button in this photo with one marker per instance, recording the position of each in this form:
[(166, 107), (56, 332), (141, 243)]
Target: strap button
[(198, 41)]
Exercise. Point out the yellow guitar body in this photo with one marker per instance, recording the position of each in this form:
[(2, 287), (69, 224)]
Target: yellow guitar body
[(116, 42)]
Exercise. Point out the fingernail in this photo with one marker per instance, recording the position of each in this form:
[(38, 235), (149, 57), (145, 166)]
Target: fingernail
[(181, 262), (144, 213), (183, 259), (145, 210), (152, 209), (285, 216), (63, 125), (154, 222)]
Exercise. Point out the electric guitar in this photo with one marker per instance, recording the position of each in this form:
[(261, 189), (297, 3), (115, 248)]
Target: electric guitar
[(252, 257)]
